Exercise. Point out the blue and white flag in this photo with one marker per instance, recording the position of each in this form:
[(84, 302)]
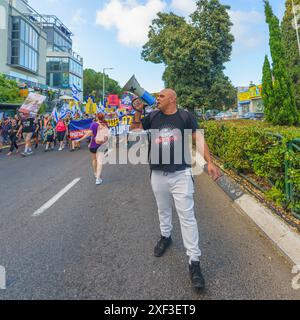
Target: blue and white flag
[(100, 109), (63, 112), (73, 111), (55, 114), (75, 93)]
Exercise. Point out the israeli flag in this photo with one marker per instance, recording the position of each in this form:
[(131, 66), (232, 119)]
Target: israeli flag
[(55, 114), (73, 111), (63, 112), (75, 93), (100, 109)]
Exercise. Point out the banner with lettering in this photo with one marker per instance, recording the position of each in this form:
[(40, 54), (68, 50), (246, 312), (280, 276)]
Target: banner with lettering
[(79, 128)]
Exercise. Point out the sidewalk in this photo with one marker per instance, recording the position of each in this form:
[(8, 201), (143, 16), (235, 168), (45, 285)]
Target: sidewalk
[(282, 234)]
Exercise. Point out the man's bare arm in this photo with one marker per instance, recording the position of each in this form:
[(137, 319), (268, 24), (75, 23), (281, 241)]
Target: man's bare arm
[(203, 149), (137, 123), (202, 146)]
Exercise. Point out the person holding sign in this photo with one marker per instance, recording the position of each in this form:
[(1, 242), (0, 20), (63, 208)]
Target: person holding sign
[(99, 134)]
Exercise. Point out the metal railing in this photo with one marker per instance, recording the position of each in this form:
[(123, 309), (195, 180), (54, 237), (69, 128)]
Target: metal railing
[(290, 189)]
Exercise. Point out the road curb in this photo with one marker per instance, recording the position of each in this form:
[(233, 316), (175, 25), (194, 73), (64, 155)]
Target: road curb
[(277, 230)]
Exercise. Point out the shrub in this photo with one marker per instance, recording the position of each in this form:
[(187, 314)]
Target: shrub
[(9, 91), (256, 149)]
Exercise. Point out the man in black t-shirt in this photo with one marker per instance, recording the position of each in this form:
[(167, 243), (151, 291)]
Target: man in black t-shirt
[(27, 128), (172, 177)]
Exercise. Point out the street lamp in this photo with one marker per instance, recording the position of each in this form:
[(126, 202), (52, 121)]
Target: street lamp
[(104, 82)]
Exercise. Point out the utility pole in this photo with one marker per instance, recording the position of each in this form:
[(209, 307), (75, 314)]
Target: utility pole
[(104, 82)]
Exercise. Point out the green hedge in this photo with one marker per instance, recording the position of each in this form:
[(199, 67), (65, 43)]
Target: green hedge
[(9, 91), (251, 148)]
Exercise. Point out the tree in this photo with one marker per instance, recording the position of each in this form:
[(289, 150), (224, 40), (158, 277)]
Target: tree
[(93, 82), (222, 94), (193, 53), (284, 103), (267, 91), (289, 38), (9, 91)]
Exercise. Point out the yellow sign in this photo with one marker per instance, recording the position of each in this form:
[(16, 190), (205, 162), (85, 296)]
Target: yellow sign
[(24, 93), (91, 108), (255, 92), (113, 122), (244, 96), (127, 120)]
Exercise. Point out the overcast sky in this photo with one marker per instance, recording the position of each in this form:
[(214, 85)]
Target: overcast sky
[(110, 33)]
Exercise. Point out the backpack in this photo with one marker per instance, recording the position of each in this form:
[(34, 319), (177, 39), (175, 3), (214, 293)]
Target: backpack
[(102, 134)]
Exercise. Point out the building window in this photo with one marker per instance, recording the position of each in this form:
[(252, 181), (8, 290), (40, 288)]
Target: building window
[(61, 44), (60, 72), (75, 80), (75, 67), (24, 45)]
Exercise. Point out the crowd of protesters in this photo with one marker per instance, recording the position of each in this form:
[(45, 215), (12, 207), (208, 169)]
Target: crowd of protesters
[(34, 130)]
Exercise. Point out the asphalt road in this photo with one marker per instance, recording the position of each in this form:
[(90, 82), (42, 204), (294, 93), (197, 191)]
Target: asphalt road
[(97, 242)]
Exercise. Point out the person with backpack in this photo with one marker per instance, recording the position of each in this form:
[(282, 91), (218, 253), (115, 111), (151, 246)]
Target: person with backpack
[(172, 179), (99, 137)]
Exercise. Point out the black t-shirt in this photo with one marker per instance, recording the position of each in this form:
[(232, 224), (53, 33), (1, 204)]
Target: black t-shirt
[(169, 143), (28, 125), (14, 130)]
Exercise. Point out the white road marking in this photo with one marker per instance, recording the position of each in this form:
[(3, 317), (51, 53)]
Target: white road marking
[(51, 202)]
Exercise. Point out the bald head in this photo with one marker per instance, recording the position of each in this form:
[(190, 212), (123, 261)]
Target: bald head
[(170, 93), (167, 101)]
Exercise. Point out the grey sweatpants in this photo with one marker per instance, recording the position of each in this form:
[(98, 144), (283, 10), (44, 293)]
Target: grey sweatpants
[(177, 186)]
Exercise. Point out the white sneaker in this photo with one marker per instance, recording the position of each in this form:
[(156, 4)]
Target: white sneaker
[(99, 182), (60, 149)]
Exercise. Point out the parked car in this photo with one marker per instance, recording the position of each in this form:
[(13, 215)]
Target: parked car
[(198, 114), (225, 116), (220, 116), (211, 114), (254, 116)]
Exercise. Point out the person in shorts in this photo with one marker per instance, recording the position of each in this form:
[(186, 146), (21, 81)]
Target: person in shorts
[(97, 150), (49, 137), (61, 130), (27, 128)]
